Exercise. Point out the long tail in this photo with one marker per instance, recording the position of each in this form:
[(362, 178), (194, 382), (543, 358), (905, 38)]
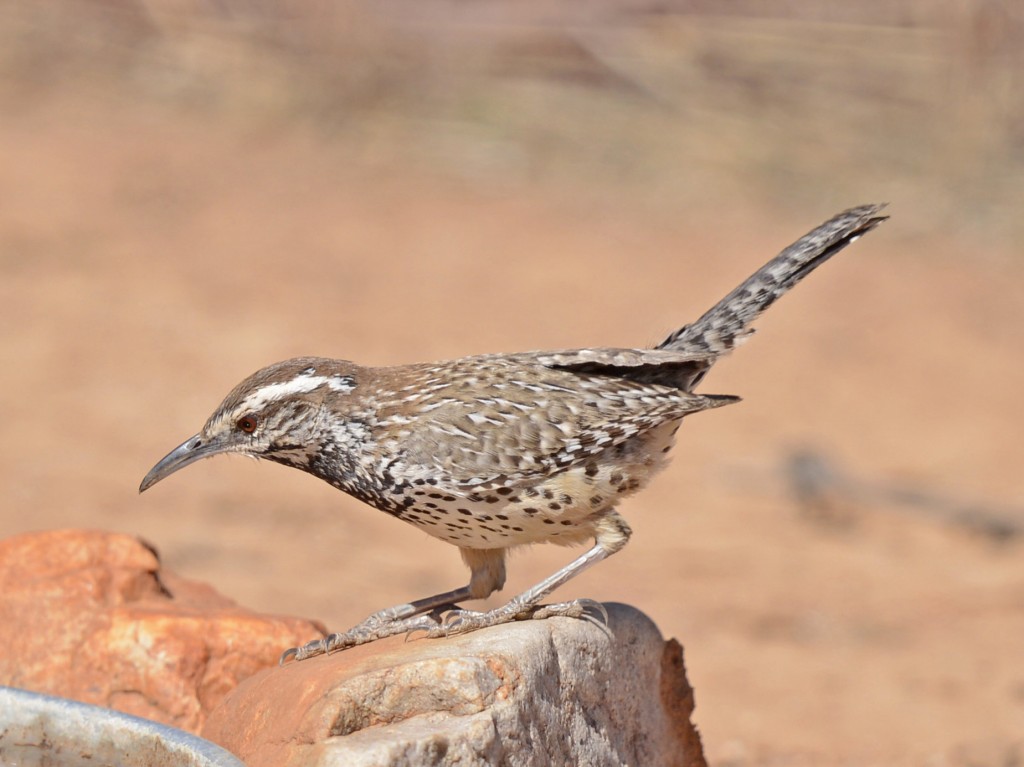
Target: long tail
[(727, 323)]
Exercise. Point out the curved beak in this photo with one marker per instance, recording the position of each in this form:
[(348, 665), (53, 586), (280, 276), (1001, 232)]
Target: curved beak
[(189, 451)]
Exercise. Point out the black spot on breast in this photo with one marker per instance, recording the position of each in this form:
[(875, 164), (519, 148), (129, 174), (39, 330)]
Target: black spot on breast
[(554, 506), (591, 469), (504, 491)]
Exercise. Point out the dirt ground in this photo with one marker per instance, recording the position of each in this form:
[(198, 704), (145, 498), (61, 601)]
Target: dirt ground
[(147, 264)]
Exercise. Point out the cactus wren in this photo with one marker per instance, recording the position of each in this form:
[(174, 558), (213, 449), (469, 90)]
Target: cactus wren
[(495, 451)]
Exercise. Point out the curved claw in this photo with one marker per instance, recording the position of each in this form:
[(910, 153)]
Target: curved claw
[(578, 608), (455, 618), (308, 650), (595, 606), (426, 624)]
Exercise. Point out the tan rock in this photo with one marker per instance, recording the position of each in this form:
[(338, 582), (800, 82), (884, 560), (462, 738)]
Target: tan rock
[(559, 691), (92, 616)]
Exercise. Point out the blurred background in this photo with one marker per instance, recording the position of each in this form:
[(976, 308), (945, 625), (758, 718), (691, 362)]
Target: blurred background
[(192, 190)]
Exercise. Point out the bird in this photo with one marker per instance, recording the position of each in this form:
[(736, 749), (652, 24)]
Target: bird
[(496, 451)]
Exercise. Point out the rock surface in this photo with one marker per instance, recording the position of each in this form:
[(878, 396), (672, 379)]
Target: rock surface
[(558, 691), (91, 616)]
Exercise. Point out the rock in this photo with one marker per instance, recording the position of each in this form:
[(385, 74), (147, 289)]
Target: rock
[(92, 616), (558, 691)]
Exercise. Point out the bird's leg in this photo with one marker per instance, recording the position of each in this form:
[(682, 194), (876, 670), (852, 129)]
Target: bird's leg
[(487, 567), (611, 535)]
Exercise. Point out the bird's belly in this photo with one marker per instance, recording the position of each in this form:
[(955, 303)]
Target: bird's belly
[(562, 508)]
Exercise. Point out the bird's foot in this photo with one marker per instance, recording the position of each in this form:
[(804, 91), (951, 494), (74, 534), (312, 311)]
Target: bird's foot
[(464, 621), (456, 621), (577, 608), (377, 626)]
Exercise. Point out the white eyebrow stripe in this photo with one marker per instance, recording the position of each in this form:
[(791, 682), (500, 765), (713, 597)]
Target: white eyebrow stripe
[(301, 384)]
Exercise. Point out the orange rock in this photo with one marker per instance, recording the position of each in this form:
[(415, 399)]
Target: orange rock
[(91, 616), (558, 691)]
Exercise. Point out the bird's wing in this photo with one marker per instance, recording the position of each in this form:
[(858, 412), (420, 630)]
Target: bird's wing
[(512, 419)]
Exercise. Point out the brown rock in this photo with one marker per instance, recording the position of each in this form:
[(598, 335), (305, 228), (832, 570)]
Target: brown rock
[(91, 616), (559, 691)]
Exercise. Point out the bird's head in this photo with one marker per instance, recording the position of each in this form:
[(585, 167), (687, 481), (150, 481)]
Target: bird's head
[(277, 413)]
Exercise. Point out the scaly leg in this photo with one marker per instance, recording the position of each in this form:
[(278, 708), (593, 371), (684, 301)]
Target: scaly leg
[(487, 575), (611, 535)]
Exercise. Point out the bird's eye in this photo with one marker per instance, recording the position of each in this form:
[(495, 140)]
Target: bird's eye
[(247, 423)]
